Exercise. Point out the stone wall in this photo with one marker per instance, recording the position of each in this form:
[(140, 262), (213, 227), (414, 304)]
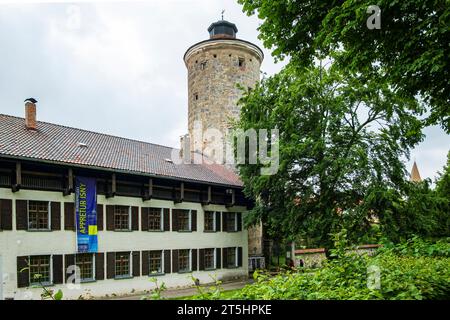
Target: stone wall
[(314, 258), (215, 69)]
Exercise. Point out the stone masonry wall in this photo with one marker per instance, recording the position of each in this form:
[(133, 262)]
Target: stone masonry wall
[(213, 75)]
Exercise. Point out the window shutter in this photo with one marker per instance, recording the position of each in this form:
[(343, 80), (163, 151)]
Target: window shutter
[(110, 265), (23, 278), (69, 260), (224, 221), (240, 256), (144, 219), (175, 226), (136, 263), (99, 266), (135, 218), (99, 217), (218, 258), (193, 220), (225, 258), (21, 215), (5, 214), (218, 220), (201, 259), (194, 259), (58, 272), (166, 219), (55, 216), (69, 216), (174, 261), (167, 265), (110, 219), (145, 262), (239, 221)]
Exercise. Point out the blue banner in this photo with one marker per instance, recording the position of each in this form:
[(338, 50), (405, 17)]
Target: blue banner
[(86, 213)]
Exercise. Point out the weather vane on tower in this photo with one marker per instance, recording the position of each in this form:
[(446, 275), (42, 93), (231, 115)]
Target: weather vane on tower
[(223, 11)]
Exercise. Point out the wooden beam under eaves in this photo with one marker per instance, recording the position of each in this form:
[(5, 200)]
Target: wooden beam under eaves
[(148, 194), (181, 198), (18, 179), (233, 199), (209, 196), (112, 193), (69, 187)]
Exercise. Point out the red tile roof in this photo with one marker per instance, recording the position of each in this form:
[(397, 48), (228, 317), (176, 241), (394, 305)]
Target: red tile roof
[(60, 144)]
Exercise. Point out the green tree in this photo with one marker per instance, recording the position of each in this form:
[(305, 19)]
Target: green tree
[(443, 182), (411, 48), (340, 142)]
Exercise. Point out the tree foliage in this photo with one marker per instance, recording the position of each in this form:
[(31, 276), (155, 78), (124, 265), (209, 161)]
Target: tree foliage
[(410, 50), (341, 140), (414, 270)]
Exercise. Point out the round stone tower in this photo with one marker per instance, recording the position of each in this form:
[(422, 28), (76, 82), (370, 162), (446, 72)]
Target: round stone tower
[(217, 67)]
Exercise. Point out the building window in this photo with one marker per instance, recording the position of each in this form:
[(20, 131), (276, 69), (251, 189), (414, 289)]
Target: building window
[(155, 221), (184, 260), (155, 262), (231, 221), (241, 63), (38, 215), (231, 257), (195, 96), (86, 264), (184, 220), (210, 221), (210, 256), (122, 218), (40, 270), (215, 56), (122, 267), (203, 65)]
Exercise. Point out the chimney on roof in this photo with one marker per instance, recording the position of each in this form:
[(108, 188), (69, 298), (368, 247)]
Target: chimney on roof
[(185, 146), (30, 114)]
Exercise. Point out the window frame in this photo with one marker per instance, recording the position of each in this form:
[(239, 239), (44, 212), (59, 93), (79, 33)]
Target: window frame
[(235, 215), (161, 220), (31, 280), (150, 273), (49, 216), (214, 259), (189, 221), (189, 256), (130, 266), (229, 266), (214, 224), (92, 279), (129, 219)]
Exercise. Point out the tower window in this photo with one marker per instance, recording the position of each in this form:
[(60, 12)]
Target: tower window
[(203, 65), (215, 56), (195, 96), (241, 62)]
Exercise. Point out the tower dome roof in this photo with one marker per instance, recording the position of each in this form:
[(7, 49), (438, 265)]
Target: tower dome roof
[(222, 29)]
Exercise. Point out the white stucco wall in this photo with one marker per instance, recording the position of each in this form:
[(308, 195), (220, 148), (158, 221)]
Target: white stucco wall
[(22, 243)]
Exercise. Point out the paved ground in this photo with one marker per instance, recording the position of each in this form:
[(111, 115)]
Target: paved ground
[(185, 292)]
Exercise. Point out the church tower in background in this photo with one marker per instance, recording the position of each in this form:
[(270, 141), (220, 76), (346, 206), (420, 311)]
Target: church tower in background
[(216, 68)]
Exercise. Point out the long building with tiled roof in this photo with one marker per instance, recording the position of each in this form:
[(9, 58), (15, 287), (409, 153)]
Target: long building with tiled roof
[(95, 215)]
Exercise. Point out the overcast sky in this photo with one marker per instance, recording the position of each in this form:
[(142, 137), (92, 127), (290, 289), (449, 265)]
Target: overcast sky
[(116, 66)]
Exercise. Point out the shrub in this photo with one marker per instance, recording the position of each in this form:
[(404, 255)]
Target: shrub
[(415, 269)]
